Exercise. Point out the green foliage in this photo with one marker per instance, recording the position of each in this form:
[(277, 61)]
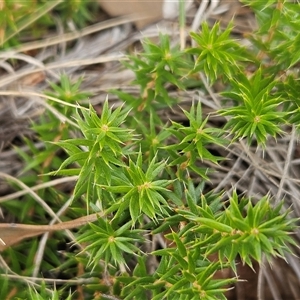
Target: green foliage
[(44, 294), (194, 140), (67, 91), (40, 159), (186, 277), (242, 230), (110, 243), (217, 54), (36, 17), (155, 69), (99, 152), (50, 129), (143, 192), (256, 113), (81, 12), (185, 268), (148, 178)]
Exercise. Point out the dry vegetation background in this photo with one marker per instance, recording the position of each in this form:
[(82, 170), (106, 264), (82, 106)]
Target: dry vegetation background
[(95, 52)]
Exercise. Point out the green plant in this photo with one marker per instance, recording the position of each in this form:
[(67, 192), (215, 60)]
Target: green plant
[(217, 53), (256, 113), (33, 18), (155, 69), (149, 177), (43, 294), (40, 159)]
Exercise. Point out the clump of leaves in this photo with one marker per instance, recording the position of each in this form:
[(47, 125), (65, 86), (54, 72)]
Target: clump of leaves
[(217, 53), (34, 18), (193, 142), (110, 243), (256, 113), (155, 69)]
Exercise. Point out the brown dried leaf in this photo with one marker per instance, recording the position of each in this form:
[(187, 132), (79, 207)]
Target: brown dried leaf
[(11, 233)]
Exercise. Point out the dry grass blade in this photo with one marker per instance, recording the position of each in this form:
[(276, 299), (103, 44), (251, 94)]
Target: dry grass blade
[(38, 187), (73, 35), (59, 65)]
